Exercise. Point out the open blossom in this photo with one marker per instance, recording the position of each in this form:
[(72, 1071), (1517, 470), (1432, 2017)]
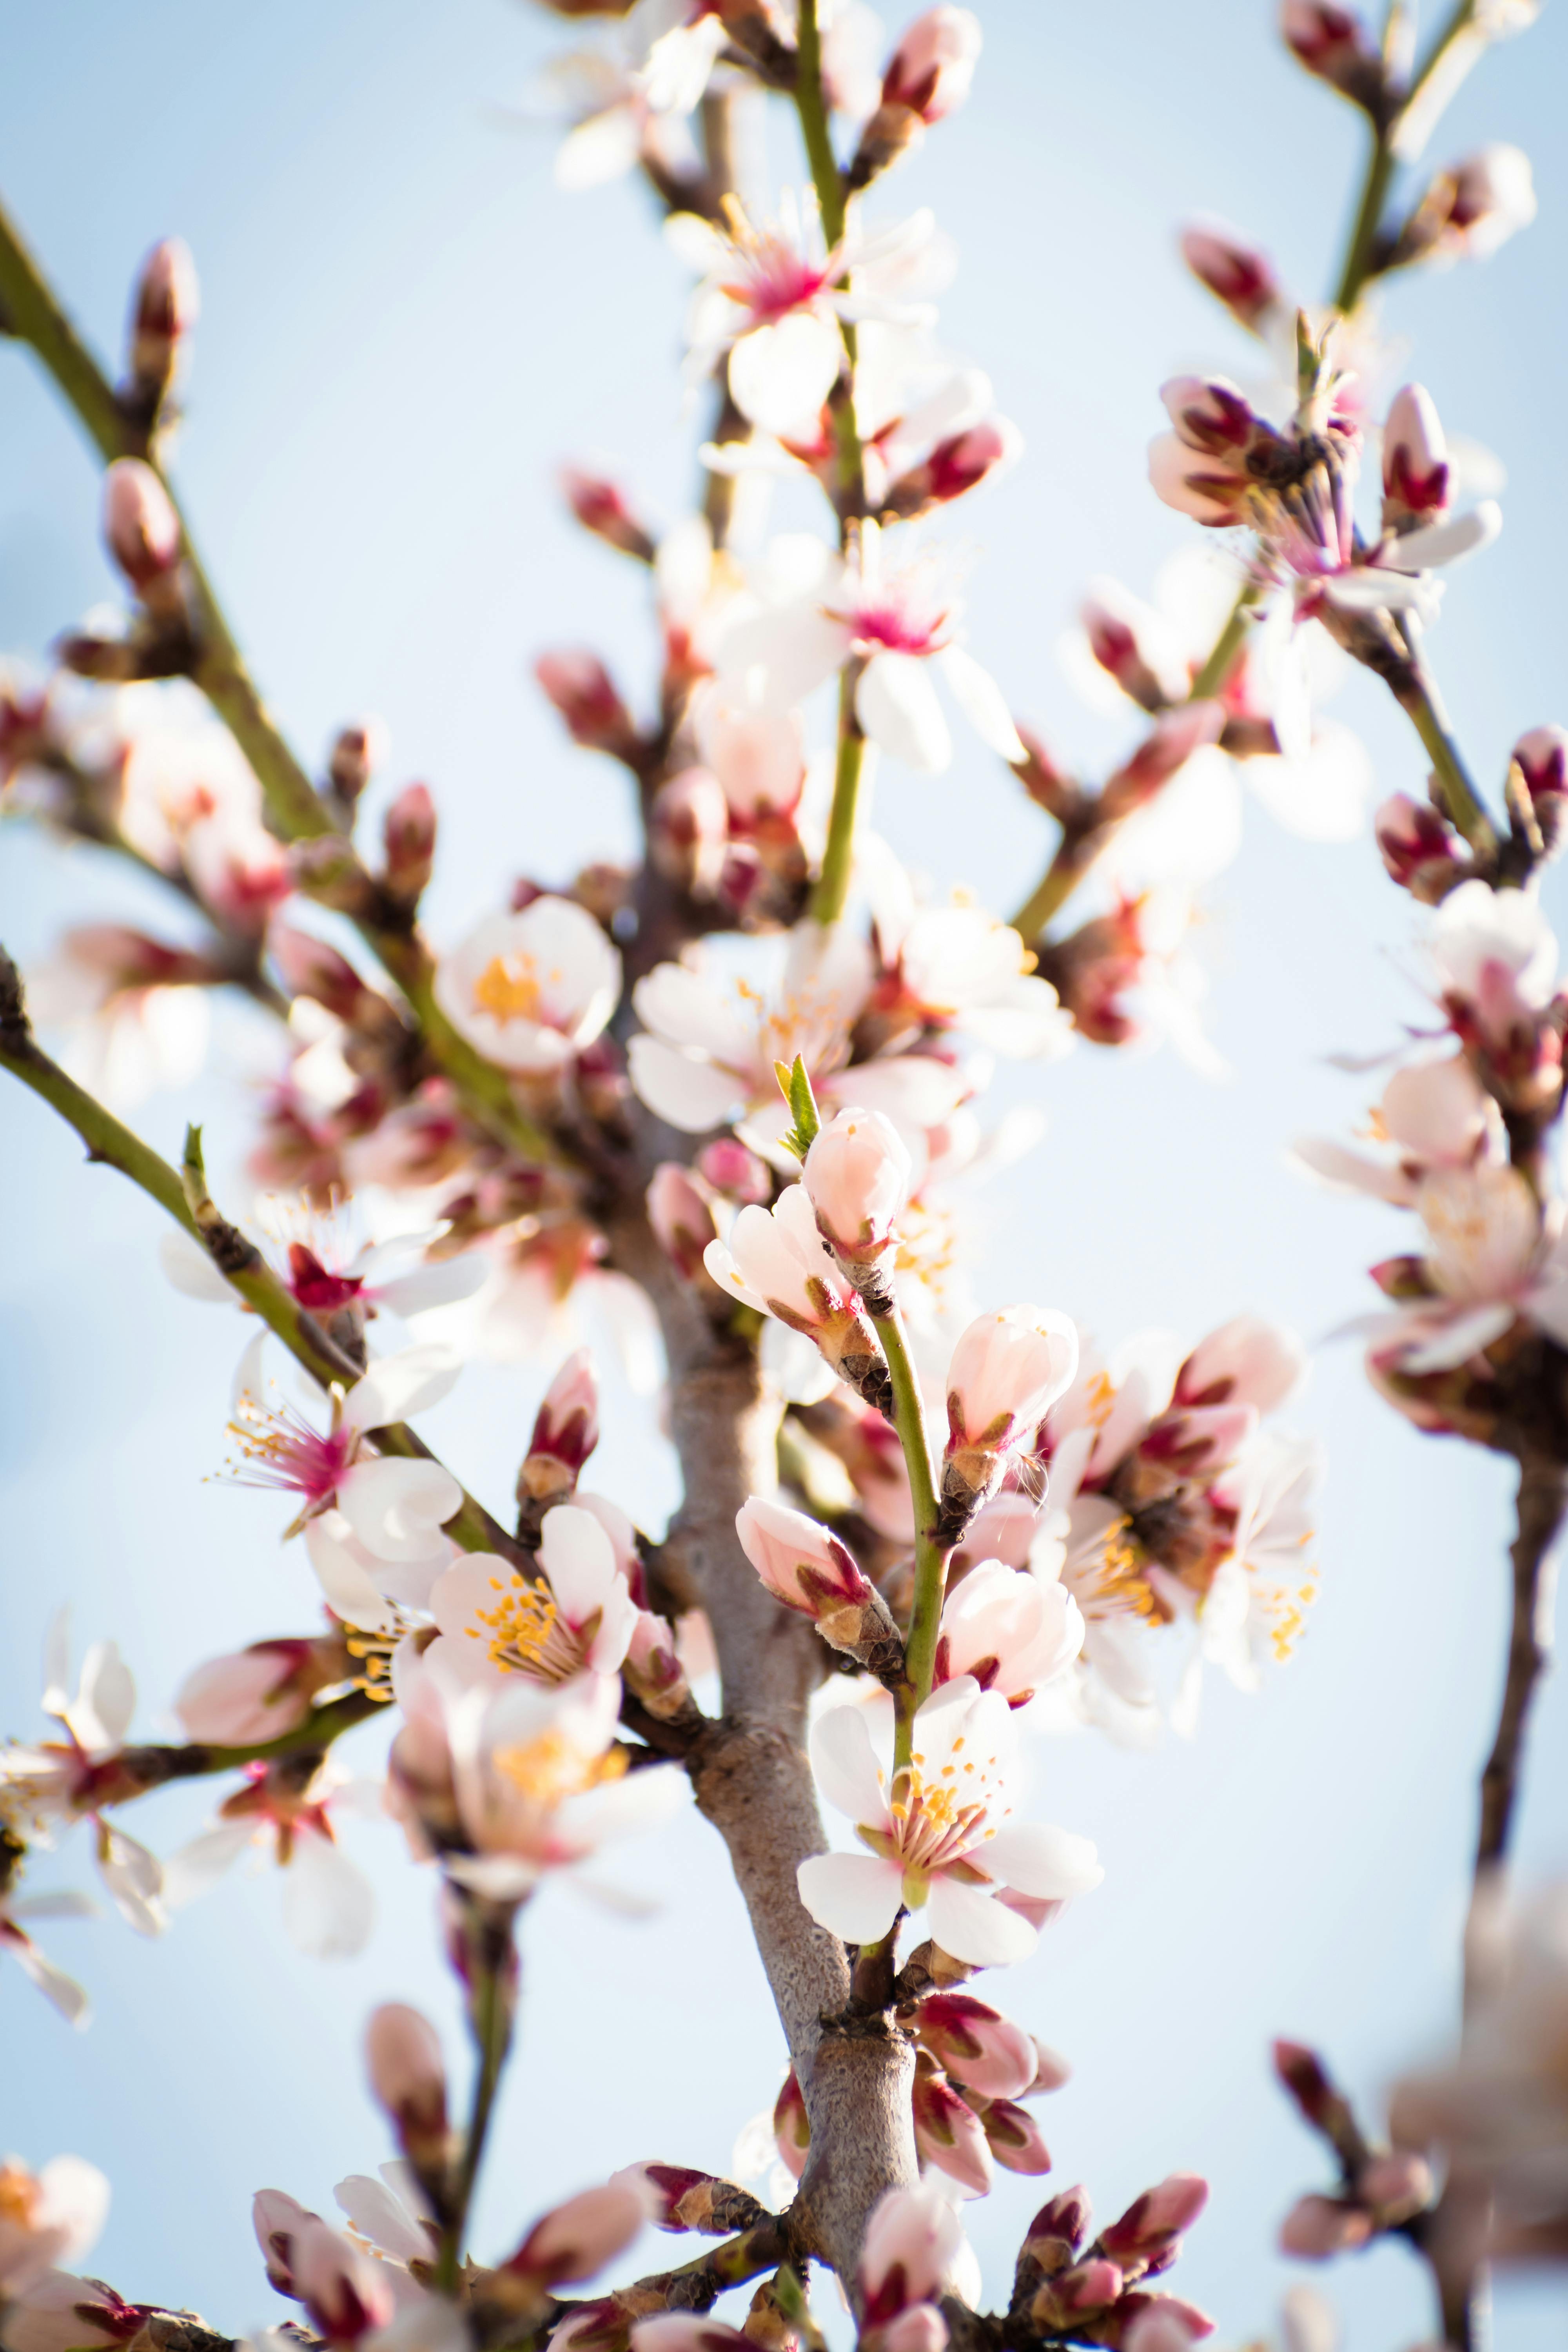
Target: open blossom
[(135, 1018), (707, 1055), (531, 990), (578, 1617), (939, 1833), (328, 1905), (392, 1508), (527, 1779), (776, 302), (326, 1276), (1495, 958), (1007, 1630), (1490, 1256), (900, 628), (956, 967), (47, 2218), (260, 1693), (1433, 1115)]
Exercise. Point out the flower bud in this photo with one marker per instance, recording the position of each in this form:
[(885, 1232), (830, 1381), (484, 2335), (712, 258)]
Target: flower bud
[(258, 1693), (59, 2313), (856, 1175), (344, 2291), (652, 1668), (1168, 746), (912, 2240), (1332, 43), (1047, 783), (689, 831), (1542, 760), (920, 2329), (165, 310), (948, 2133), (681, 1215), (1157, 2329), (1418, 480), (311, 967), (677, 2197), (142, 529), (933, 66), (1155, 2220), (408, 836), (1134, 645), (792, 2127), (278, 2220), (1245, 1361), (1420, 849), (600, 506), (954, 468), (585, 695), (733, 1168), (1138, 2311), (565, 1431), (357, 751), (1073, 2295), (1014, 2137), (1053, 2237), (1316, 2227), (1007, 1371), (978, 2046), (806, 1567), (581, 2236), (1237, 274), (1396, 2187), (408, 2076), (1470, 209)]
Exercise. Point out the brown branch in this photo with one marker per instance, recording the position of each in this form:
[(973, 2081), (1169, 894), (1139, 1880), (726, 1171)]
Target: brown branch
[(1542, 1501)]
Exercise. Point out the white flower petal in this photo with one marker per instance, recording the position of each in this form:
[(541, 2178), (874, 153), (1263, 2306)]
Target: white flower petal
[(845, 1763), (396, 1386), (974, 1926), (982, 701), (690, 1095), (1043, 1860), (852, 1894), (780, 375), (328, 1905), (394, 1508), (197, 1865), (896, 704)]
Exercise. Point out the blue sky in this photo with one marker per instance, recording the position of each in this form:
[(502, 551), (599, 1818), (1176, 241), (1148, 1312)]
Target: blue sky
[(404, 327)]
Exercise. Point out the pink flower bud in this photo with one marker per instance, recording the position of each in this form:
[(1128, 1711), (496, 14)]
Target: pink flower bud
[(585, 694), (1472, 208), (1236, 274), (1065, 2219), (408, 836), (681, 1215), (948, 2132), (1005, 1373), (1129, 641), (581, 2236), (140, 525), (653, 1666), (792, 2127), (758, 760), (1542, 758), (59, 2312), (1087, 2287), (684, 2331), (1210, 413), (600, 506), (803, 1564), (1332, 43), (278, 2220), (1051, 2069), (1155, 2329), (344, 2292), (1245, 1361), (910, 2243), (1316, 2227), (1168, 746), (978, 2046), (254, 1696), (1416, 478), (1301, 2071), (566, 1426), (1420, 849), (1396, 2187), (358, 750), (165, 309), (677, 2197), (408, 2076), (689, 831), (957, 467), (1137, 2310), (920, 2329), (1153, 2220), (858, 1175), (733, 1168), (1015, 2138), (932, 67)]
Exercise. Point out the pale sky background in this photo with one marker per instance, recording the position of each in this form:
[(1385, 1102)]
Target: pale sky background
[(404, 327)]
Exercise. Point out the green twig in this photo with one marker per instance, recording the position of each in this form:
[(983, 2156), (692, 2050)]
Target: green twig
[(489, 2019), (931, 1560), (828, 901)]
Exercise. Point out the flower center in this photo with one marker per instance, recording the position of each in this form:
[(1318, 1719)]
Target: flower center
[(527, 1632), (285, 1451), (19, 2195), (549, 1769), (510, 988)]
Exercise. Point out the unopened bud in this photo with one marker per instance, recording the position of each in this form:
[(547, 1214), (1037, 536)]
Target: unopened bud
[(1014, 2137), (654, 1674), (1046, 781), (585, 695), (278, 2220), (689, 831), (600, 506), (565, 1431), (1417, 481), (142, 530), (358, 750), (1316, 2227), (167, 304), (806, 1566), (311, 967), (1152, 2221), (858, 1174), (1470, 209), (1073, 2295), (408, 2076), (679, 2197), (955, 466), (1332, 43), (1235, 273), (681, 1214), (1244, 1361), (1168, 746), (1420, 849), (792, 2127), (260, 1693), (933, 66), (345, 2293), (408, 836), (733, 1167), (1165, 2323), (581, 2236), (948, 2133), (1540, 759), (1006, 1372), (1063, 2222), (919, 2328), (1397, 2188), (1133, 645), (978, 2046)]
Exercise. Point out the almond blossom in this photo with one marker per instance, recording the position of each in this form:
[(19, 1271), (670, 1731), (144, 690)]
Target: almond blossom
[(940, 1832), (776, 302), (776, 1261), (357, 1506), (1491, 1256), (900, 629), (578, 1617), (1007, 1632), (329, 1906), (135, 1020), (47, 2218), (531, 990), (1433, 1115), (60, 1990)]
